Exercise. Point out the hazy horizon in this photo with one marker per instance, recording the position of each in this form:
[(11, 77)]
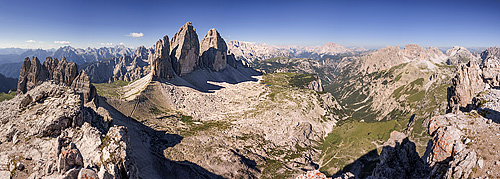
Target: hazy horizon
[(368, 24)]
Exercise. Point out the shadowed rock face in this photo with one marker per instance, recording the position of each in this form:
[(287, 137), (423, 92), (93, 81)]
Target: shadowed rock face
[(490, 52), (126, 68), (466, 84), (213, 51), (185, 50), (83, 86), (161, 64), (399, 159), (32, 74)]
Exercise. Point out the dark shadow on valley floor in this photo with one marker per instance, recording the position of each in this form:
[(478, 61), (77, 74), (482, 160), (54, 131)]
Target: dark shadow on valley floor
[(201, 79), (147, 146), (400, 161)]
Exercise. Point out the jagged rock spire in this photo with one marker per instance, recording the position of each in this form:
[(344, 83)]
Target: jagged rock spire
[(161, 64), (185, 50), (213, 51)]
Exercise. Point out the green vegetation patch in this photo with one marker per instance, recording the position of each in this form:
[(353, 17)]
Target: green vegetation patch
[(192, 129), (410, 89), (4, 97), (353, 139), (110, 89), (288, 79)]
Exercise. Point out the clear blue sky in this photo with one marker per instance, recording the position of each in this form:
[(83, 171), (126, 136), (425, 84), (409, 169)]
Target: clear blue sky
[(86, 23)]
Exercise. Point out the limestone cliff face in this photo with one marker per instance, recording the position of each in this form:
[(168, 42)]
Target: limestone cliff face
[(391, 56), (82, 85), (459, 55), (126, 68), (61, 72), (490, 52), (161, 64), (185, 50), (466, 84), (32, 74), (213, 51)]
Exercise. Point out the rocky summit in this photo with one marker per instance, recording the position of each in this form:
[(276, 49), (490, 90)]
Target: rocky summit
[(185, 49), (213, 51), (161, 64), (211, 108)]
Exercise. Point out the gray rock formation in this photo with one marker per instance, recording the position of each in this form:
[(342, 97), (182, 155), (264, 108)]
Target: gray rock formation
[(490, 52), (161, 64), (185, 50), (59, 137), (32, 74), (60, 72), (82, 85), (466, 85), (491, 71), (213, 51), (125, 68), (315, 85), (399, 159), (459, 55)]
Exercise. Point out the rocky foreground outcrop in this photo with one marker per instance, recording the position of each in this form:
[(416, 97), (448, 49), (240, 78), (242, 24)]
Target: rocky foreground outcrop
[(33, 73), (464, 143), (47, 132)]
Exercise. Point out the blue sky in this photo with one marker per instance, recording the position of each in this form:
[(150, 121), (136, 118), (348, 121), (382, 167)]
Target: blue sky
[(53, 23)]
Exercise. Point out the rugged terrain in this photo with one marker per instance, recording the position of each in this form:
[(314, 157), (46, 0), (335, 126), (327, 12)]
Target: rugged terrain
[(209, 109)]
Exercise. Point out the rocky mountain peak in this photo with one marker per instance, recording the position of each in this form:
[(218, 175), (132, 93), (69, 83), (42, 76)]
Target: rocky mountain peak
[(185, 49), (490, 52), (142, 52), (415, 51), (33, 73), (459, 55), (213, 51), (161, 64)]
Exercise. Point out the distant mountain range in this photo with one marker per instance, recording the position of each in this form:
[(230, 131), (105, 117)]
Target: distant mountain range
[(11, 58), (77, 55), (251, 51)]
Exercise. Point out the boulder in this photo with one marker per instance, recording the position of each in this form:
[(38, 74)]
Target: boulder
[(185, 50), (213, 51), (87, 174)]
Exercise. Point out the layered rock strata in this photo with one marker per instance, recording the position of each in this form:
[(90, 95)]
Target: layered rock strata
[(185, 50), (33, 73), (213, 51)]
